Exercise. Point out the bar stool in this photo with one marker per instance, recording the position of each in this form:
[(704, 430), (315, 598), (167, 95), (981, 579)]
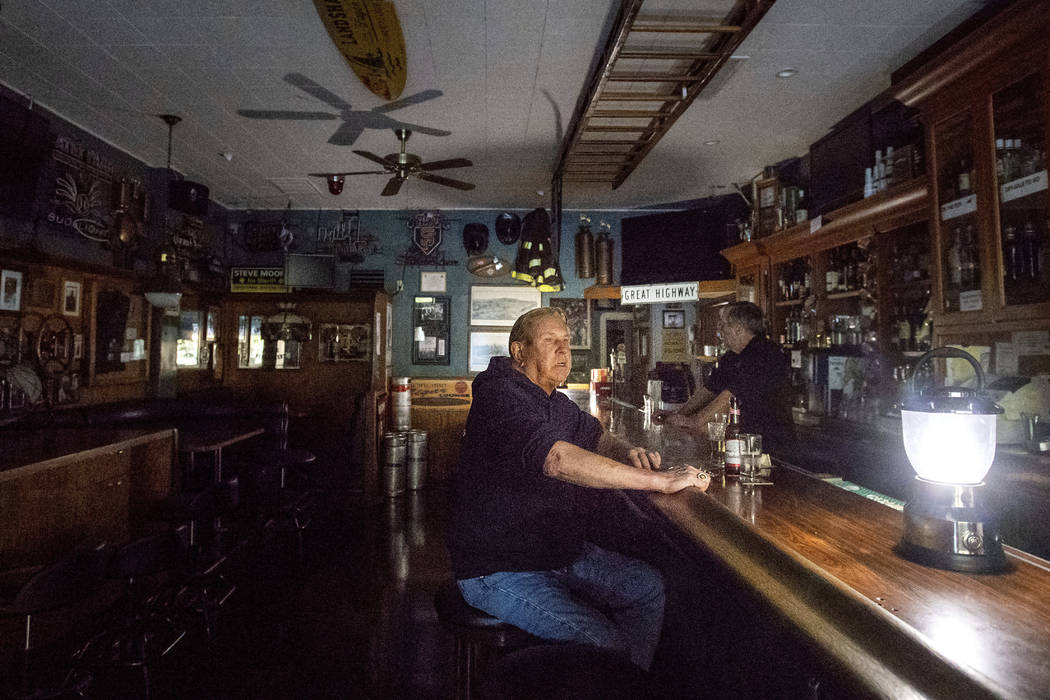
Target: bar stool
[(56, 588), (475, 631), (144, 631)]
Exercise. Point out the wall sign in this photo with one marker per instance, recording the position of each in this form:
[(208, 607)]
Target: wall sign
[(428, 232), (257, 279), (659, 293), (83, 192), (347, 241)]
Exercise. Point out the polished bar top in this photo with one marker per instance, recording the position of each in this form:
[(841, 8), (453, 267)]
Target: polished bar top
[(24, 452), (822, 559)]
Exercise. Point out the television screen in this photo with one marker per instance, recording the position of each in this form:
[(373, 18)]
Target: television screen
[(309, 271), (680, 246)]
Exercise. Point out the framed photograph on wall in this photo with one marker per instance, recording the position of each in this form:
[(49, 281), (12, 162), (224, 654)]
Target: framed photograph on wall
[(431, 330), (344, 342), (10, 290), (500, 306), (433, 281), (484, 345), (674, 318), (71, 298), (578, 316)]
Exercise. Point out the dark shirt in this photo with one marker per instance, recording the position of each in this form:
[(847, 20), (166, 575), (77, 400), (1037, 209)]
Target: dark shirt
[(508, 515), (760, 378)]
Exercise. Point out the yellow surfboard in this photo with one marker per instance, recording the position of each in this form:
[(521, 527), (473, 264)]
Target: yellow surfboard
[(368, 34)]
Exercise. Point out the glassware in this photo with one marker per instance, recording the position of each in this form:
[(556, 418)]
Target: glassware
[(716, 434), (750, 456)]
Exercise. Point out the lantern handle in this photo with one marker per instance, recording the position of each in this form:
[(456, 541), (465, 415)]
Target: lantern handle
[(945, 351)]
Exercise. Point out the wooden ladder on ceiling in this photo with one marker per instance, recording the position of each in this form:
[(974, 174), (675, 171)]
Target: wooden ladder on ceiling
[(651, 70)]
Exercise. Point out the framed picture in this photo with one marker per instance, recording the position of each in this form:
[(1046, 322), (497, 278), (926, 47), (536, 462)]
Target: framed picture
[(71, 298), (10, 290), (430, 281), (345, 342), (484, 345), (431, 328), (578, 316), (500, 306), (674, 319)]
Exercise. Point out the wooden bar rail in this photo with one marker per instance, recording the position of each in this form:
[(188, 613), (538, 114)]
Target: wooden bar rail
[(819, 561)]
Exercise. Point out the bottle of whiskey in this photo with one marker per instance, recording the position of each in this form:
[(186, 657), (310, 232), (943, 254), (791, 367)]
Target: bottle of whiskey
[(734, 449), (964, 177)]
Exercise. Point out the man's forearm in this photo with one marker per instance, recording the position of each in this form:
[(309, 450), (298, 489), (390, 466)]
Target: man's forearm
[(576, 465)]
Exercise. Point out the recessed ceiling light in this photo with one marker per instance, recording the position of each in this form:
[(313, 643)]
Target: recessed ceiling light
[(787, 72), (711, 142)]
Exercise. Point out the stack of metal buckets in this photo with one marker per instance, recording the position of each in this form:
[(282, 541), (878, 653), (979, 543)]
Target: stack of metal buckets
[(404, 449)]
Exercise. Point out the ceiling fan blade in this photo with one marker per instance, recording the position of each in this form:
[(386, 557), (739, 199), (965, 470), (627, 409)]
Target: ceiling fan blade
[(442, 164), (392, 186), (447, 181), (406, 101), (346, 134), (356, 172), (378, 159), (422, 129), (281, 114), (311, 88)]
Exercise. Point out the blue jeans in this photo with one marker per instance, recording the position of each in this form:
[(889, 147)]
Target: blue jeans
[(603, 598)]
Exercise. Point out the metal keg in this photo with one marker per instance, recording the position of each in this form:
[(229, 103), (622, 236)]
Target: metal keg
[(401, 403), (394, 450), (416, 464)]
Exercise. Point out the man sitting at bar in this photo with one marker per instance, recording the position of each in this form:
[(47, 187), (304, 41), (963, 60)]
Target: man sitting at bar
[(756, 371), (518, 544)]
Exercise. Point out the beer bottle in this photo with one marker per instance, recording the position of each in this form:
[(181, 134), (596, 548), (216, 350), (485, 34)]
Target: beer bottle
[(734, 449)]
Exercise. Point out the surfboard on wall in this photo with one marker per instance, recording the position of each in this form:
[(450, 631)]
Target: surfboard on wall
[(368, 34)]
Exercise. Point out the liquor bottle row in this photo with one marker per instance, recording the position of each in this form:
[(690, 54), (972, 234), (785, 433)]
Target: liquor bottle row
[(1016, 158), (892, 167), (846, 270), (795, 281), (910, 260), (962, 268), (910, 325), (1024, 251), (959, 180)]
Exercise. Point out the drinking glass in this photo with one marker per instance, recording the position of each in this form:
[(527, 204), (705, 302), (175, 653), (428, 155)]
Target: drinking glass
[(750, 456), (716, 435)]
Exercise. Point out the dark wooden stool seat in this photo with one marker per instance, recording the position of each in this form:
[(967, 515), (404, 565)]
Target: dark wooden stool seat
[(475, 631)]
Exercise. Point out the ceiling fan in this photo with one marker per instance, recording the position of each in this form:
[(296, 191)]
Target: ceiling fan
[(401, 165)]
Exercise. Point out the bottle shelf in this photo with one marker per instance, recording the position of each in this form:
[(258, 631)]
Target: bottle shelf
[(844, 295), (790, 302)]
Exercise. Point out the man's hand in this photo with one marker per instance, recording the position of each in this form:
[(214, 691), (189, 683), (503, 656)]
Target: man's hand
[(686, 476), (643, 459)]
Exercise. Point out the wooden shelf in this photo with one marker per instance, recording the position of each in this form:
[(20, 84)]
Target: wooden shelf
[(844, 295), (790, 302), (602, 291)]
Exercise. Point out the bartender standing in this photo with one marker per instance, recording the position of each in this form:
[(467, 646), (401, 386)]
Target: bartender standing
[(756, 371)]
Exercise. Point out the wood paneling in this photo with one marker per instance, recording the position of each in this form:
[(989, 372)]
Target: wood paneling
[(61, 486)]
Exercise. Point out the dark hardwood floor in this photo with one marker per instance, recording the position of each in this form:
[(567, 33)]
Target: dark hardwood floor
[(354, 620)]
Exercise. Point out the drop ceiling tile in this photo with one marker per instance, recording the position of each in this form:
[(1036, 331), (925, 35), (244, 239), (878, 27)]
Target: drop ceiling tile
[(161, 31), (110, 31)]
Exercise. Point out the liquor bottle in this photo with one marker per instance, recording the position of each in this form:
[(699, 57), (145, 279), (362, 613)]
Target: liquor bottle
[(1011, 254), (802, 210), (888, 179), (1032, 263), (964, 177), (869, 182), (734, 449), (1000, 164), (955, 258), (831, 275), (970, 277)]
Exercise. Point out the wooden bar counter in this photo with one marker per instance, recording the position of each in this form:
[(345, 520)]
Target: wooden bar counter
[(816, 563), (59, 486)]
